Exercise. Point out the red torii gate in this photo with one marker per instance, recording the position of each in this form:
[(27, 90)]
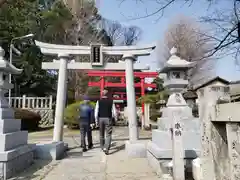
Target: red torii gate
[(102, 83)]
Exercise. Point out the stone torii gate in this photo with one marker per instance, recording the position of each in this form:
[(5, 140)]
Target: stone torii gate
[(96, 53)]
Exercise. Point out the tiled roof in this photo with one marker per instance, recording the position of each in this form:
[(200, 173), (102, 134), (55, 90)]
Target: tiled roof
[(190, 95)]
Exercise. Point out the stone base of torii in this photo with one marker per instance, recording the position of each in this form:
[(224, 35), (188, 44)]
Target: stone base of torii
[(129, 55)]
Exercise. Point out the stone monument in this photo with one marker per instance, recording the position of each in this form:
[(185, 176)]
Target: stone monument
[(15, 153), (160, 148), (220, 133)]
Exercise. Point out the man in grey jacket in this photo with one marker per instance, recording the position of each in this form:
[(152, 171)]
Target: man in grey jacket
[(105, 111)]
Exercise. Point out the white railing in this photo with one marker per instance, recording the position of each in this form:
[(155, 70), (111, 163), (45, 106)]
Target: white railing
[(32, 102)]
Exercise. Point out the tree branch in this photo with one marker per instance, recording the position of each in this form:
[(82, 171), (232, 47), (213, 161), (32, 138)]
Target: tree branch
[(154, 12), (220, 47), (224, 39)]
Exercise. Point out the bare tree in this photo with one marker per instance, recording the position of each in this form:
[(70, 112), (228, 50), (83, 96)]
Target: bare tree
[(85, 14), (83, 31), (131, 35), (119, 34), (225, 18), (89, 27), (226, 29), (187, 36)]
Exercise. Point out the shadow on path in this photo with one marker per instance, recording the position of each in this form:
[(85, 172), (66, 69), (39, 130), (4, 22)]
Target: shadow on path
[(39, 169), (95, 145), (127, 138), (76, 155), (116, 149)]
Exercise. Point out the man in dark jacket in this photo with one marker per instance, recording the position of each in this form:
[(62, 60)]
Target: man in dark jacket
[(104, 113), (86, 121)]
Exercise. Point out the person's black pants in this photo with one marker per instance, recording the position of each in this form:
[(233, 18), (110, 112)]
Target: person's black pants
[(85, 130)]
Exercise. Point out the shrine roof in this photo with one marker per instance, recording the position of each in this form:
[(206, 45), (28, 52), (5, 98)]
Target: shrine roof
[(210, 81), (235, 89), (190, 95)]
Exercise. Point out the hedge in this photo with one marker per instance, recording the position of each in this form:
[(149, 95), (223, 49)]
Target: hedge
[(153, 98), (155, 114), (29, 120), (71, 114)]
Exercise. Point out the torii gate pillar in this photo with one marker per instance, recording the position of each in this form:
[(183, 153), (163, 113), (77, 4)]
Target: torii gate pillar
[(134, 148), (131, 101), (61, 98)]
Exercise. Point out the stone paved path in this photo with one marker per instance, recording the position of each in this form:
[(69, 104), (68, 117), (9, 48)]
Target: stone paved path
[(91, 165), (95, 165)]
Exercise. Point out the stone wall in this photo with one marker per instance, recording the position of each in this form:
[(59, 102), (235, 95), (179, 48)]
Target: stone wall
[(41, 105), (46, 116), (220, 151)]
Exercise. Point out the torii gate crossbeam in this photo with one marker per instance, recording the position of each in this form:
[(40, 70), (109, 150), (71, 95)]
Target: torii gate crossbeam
[(111, 84), (121, 74)]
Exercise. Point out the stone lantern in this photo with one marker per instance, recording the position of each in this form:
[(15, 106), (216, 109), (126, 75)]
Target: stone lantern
[(5, 69), (176, 81), (177, 121), (176, 70), (15, 153)]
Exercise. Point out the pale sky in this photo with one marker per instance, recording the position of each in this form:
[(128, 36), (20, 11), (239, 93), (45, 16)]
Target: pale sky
[(153, 29)]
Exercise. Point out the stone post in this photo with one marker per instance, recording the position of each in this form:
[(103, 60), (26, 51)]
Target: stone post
[(61, 98), (146, 115), (206, 102), (233, 135), (229, 113), (177, 144), (50, 101), (131, 101), (212, 134), (176, 104), (24, 101)]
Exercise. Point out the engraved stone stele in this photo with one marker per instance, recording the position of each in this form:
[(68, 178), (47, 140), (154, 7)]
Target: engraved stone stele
[(160, 148), (211, 152), (15, 153), (220, 133)]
